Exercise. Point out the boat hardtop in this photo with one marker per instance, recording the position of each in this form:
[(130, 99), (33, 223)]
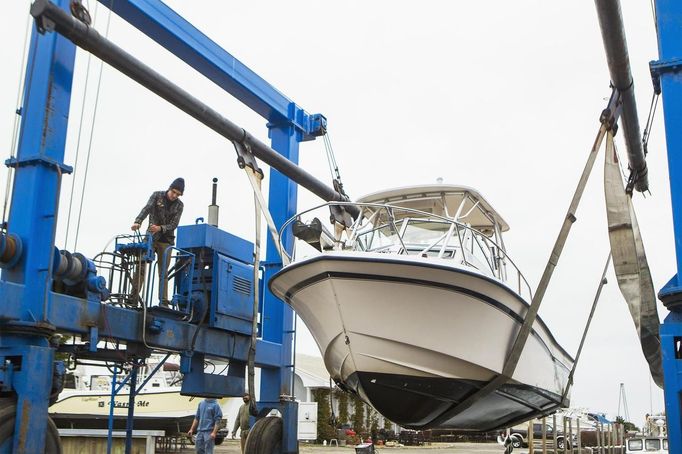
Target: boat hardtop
[(461, 203)]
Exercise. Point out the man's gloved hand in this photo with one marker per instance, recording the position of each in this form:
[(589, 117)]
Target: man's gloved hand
[(135, 227), (154, 228)]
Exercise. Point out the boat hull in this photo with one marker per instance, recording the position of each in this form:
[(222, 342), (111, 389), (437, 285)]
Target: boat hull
[(163, 410), (414, 337)]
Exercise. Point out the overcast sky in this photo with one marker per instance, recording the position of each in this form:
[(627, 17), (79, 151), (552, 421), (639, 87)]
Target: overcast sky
[(501, 96)]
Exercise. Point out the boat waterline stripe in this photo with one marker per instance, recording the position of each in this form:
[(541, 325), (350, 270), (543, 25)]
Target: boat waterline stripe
[(374, 277)]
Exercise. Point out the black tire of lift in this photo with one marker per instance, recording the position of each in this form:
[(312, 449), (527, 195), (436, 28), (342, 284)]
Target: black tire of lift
[(265, 437), (8, 411)]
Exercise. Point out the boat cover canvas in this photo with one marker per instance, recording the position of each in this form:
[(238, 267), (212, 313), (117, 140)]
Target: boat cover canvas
[(630, 263)]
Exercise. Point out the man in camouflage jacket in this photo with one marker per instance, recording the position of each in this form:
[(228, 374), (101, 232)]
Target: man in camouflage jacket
[(164, 209)]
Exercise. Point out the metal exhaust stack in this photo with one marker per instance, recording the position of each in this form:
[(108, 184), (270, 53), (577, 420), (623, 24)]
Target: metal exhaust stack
[(213, 208), (613, 34)]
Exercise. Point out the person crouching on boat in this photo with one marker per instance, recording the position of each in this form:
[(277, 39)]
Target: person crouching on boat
[(206, 423), (243, 420)]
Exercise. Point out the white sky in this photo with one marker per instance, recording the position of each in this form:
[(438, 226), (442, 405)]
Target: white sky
[(501, 96)]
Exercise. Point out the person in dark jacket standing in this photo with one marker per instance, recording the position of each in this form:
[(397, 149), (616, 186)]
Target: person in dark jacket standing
[(243, 421), (164, 209), (206, 424)]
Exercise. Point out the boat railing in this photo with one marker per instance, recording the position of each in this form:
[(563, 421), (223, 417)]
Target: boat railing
[(390, 229)]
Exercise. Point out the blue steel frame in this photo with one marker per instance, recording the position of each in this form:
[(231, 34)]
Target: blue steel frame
[(666, 72), (39, 168), (27, 303)]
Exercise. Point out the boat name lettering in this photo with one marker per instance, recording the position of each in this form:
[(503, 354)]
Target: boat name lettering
[(139, 403)]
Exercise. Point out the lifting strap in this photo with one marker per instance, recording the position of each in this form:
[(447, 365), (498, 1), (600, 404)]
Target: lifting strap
[(630, 263), (247, 161), (255, 178), (531, 314)]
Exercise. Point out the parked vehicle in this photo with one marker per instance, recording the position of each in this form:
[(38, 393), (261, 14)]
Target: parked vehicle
[(649, 445), (519, 436)]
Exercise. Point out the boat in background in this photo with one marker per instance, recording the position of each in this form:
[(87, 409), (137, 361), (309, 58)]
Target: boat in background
[(415, 308), (86, 400)]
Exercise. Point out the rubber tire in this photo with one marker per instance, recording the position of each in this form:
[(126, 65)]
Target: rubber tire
[(265, 437), (560, 444), (8, 411), (516, 442)]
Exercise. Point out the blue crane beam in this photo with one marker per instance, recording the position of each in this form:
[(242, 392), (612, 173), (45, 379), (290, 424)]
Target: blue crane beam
[(180, 37), (38, 171)]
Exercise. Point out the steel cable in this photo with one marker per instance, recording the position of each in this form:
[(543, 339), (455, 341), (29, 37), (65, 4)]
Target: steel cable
[(602, 283), (78, 140), (92, 130), (17, 117)]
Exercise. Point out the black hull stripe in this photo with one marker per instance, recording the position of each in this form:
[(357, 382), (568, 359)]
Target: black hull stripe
[(497, 283), (453, 288)]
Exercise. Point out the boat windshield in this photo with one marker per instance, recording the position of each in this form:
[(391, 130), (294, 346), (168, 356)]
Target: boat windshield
[(398, 230), (424, 231)]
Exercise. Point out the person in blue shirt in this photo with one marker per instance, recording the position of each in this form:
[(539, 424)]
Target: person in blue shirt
[(206, 423)]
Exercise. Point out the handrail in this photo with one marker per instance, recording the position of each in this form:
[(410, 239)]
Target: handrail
[(356, 231)]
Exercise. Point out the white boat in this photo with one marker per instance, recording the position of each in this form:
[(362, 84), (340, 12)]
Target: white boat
[(85, 401), (417, 306), (646, 444)]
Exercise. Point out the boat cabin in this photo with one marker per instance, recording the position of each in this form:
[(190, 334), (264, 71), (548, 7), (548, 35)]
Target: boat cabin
[(442, 222), (649, 445), (434, 221)]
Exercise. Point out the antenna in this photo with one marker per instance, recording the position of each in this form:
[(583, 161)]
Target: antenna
[(213, 208), (623, 398)]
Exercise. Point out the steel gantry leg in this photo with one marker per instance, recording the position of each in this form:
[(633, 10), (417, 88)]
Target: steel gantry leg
[(278, 326), (25, 348), (666, 76)]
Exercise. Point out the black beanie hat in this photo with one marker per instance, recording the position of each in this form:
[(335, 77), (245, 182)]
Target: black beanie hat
[(179, 184)]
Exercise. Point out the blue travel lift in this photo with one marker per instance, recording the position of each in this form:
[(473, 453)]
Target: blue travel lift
[(45, 292)]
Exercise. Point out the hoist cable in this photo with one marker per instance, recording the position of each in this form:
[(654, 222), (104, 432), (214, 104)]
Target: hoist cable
[(92, 130), (602, 283), (78, 141), (650, 121), (17, 116), (331, 158)]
